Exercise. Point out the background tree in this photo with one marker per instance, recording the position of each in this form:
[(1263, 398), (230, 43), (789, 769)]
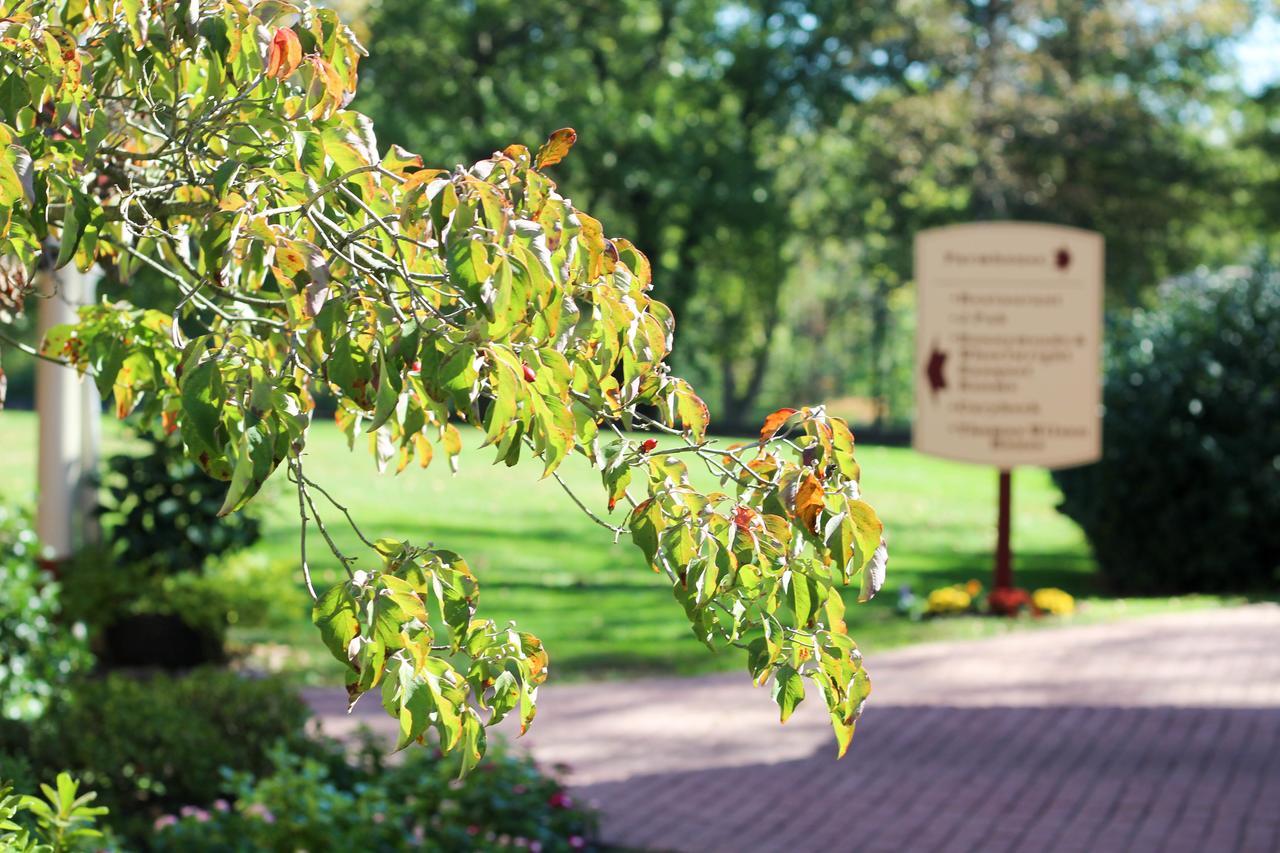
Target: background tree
[(1105, 116), (682, 105), (808, 124)]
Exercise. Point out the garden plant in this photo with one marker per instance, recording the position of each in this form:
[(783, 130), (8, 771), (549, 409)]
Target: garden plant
[(207, 142)]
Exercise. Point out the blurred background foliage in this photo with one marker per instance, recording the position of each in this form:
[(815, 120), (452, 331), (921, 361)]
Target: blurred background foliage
[(775, 159), (1191, 441)]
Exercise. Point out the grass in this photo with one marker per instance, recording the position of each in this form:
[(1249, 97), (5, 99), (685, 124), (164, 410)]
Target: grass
[(599, 610)]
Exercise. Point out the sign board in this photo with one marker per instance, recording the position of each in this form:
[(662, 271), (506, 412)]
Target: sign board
[(1008, 344)]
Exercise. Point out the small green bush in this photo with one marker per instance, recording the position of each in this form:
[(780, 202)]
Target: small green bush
[(63, 821), (1185, 497), (330, 802), (151, 746), (39, 651)]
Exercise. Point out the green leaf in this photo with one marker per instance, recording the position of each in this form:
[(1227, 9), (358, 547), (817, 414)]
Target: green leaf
[(506, 695), (842, 442), (387, 397), (336, 615), (473, 742), (254, 463), (202, 398), (14, 95), (788, 690), (803, 601), (646, 523), (693, 412), (73, 224), (867, 532)]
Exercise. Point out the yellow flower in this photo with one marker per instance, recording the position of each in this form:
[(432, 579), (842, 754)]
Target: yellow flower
[(948, 599), (1054, 601)]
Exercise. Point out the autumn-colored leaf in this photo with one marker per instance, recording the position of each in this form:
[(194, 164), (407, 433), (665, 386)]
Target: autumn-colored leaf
[(744, 518), (809, 502), (773, 423), (555, 148), (285, 54)]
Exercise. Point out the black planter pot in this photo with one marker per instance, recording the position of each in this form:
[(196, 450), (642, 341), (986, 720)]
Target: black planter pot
[(159, 640)]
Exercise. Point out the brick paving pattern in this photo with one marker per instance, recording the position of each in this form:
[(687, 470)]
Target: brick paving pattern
[(1159, 734)]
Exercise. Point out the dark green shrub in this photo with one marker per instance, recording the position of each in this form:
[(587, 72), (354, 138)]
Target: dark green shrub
[(144, 592), (160, 511), (39, 650), (150, 746), (328, 802), (1187, 495)]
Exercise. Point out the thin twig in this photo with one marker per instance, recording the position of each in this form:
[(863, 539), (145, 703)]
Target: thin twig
[(313, 484), (617, 531), (302, 514)]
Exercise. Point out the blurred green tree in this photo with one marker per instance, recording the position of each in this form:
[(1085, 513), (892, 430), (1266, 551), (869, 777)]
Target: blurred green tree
[(822, 135), (682, 106), (1104, 114)]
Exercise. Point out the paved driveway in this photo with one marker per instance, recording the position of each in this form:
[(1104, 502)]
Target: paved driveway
[(1158, 734)]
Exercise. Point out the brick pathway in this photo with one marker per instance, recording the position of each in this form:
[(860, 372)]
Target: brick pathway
[(1158, 734)]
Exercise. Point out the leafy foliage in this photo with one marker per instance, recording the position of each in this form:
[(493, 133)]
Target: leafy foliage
[(329, 801), (41, 652), (1190, 441), (63, 821), (303, 256), (150, 746), (160, 510)]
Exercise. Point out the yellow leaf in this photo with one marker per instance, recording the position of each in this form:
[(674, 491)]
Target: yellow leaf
[(555, 148)]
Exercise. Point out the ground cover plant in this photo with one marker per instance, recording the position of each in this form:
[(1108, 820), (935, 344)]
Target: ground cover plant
[(209, 144)]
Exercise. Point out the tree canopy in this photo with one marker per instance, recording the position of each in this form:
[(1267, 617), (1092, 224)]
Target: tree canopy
[(210, 143), (820, 136)]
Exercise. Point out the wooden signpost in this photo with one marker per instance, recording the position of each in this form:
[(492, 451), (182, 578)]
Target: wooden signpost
[(1008, 344)]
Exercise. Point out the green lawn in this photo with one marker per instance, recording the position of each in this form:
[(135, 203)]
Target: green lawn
[(599, 610)]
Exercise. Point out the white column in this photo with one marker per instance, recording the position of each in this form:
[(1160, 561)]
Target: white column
[(89, 531), (60, 404)]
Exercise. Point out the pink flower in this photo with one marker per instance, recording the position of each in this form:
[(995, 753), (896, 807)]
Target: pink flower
[(199, 814), (560, 800), (535, 846), (163, 821), (260, 811), (379, 817), (473, 830), (518, 789), (577, 842), (222, 805)]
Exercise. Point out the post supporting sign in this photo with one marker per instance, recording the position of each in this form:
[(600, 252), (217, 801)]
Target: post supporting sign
[(1008, 345)]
